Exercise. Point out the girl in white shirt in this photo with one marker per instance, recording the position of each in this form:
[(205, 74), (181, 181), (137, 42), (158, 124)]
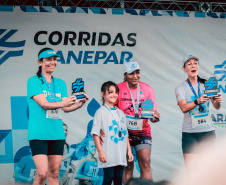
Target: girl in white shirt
[(116, 147)]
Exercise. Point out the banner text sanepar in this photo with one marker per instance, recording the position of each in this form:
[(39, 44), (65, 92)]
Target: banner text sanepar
[(88, 39), (94, 57), (84, 38)]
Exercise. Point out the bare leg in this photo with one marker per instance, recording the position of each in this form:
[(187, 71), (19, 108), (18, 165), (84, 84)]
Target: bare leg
[(41, 163), (53, 170), (128, 171), (190, 161), (144, 160)]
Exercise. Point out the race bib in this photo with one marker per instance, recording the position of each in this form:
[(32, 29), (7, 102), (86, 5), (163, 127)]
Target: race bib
[(201, 120), (54, 113), (134, 124)]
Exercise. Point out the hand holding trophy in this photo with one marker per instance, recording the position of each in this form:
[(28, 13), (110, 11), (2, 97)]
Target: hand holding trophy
[(78, 89), (211, 89), (147, 109)]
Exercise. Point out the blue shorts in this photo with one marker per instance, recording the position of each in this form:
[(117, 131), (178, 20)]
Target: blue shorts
[(191, 139), (47, 147)]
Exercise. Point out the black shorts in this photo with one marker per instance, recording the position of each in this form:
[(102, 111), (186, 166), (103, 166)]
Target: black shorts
[(191, 139), (47, 147)]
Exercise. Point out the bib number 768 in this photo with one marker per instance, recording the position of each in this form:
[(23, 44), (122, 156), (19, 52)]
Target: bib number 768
[(133, 123)]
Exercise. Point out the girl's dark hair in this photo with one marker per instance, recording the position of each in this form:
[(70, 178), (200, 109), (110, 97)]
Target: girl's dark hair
[(105, 87), (40, 67)]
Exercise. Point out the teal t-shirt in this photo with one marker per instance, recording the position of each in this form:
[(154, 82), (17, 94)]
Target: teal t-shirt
[(40, 127)]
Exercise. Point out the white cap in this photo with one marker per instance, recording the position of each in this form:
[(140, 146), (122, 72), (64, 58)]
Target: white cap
[(129, 67), (189, 57)]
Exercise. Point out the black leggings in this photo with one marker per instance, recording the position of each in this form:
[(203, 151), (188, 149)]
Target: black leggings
[(113, 174)]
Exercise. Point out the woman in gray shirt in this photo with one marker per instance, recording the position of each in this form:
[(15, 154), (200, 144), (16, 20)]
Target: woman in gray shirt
[(197, 123)]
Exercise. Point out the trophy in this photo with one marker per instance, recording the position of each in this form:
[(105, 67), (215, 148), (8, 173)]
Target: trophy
[(147, 109), (211, 89), (78, 89)]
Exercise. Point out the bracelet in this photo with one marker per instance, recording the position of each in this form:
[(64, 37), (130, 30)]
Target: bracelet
[(196, 102)]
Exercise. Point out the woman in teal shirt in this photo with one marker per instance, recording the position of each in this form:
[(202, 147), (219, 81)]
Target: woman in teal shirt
[(47, 97)]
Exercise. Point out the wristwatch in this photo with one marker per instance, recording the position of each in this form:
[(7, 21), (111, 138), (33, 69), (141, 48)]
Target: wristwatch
[(196, 102)]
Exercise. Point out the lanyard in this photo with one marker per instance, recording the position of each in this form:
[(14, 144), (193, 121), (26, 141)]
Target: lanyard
[(193, 90), (133, 100), (118, 122), (53, 93)]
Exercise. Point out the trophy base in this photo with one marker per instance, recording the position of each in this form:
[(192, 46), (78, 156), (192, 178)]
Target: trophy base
[(147, 114), (79, 96), (212, 95), (146, 117)]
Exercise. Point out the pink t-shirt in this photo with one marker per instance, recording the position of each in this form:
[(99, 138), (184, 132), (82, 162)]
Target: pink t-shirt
[(126, 105)]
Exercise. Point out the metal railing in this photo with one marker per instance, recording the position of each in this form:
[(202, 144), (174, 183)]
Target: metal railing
[(201, 6)]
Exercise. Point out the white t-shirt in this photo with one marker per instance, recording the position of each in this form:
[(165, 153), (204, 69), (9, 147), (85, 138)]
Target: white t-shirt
[(184, 91), (115, 147)]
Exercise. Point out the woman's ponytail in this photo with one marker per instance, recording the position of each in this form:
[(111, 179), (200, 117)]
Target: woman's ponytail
[(202, 80)]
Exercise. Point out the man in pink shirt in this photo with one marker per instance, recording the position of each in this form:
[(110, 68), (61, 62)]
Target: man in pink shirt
[(132, 91)]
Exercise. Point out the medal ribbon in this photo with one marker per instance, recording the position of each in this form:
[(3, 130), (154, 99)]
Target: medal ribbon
[(118, 122), (193, 90), (133, 100), (53, 93)]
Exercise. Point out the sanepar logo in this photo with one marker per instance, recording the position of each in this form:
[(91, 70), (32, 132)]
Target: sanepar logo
[(7, 45), (211, 83), (220, 73)]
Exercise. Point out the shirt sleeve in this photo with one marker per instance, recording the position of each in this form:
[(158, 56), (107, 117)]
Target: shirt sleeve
[(33, 88), (180, 93), (97, 123)]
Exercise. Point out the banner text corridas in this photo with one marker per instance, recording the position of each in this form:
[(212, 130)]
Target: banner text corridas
[(100, 40)]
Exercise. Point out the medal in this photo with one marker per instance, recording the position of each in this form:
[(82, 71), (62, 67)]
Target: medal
[(118, 123), (136, 116), (201, 108), (136, 107), (51, 91)]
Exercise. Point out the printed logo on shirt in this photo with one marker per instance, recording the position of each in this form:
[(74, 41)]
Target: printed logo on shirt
[(58, 95), (117, 134), (47, 94), (196, 109), (141, 95), (122, 120)]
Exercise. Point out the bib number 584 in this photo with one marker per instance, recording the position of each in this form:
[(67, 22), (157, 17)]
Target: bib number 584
[(201, 121)]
